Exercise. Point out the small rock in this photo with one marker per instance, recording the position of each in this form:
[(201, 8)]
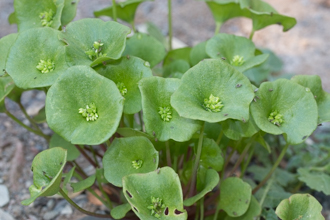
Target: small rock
[(60, 205), (4, 195), (5, 216), (67, 210), (50, 204), (51, 215)]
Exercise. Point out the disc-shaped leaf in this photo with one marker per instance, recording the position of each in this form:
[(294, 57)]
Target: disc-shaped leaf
[(300, 206), (78, 87), (69, 11), (292, 103), (127, 156), (313, 82), (29, 13), (57, 141), (219, 79), (236, 130), (124, 10), (253, 211), (47, 169), (146, 47), (211, 155), (81, 36), (177, 54), (126, 73), (235, 50), (163, 184), (160, 119), (235, 196), (83, 184), (120, 211), (198, 53), (319, 181), (207, 181), (176, 69), (31, 47)]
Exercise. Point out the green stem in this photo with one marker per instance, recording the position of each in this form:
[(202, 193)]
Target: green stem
[(27, 127), (168, 154), (114, 10), (81, 150), (175, 163), (217, 27), (169, 5), (133, 26), (247, 162), (240, 159), (28, 117), (141, 121), (94, 155), (67, 198), (198, 156), (279, 159), (105, 195), (219, 138), (202, 209), (266, 191), (251, 35), (216, 212), (227, 162)]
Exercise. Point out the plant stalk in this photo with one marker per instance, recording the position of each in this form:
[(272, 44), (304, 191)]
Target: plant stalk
[(198, 156), (217, 27), (114, 10), (201, 209), (168, 154), (219, 138), (170, 33), (86, 156), (251, 35), (67, 198), (241, 157), (28, 117), (245, 165), (279, 159)]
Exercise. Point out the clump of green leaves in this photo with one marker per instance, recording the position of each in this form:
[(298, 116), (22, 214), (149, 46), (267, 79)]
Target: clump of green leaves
[(47, 18), (89, 112), (46, 66), (157, 207), (213, 104)]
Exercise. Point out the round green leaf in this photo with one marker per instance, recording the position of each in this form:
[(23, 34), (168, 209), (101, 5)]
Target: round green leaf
[(41, 116), (236, 130), (47, 169), (124, 10), (300, 206), (77, 87), (83, 184), (230, 47), (208, 181), (146, 47), (198, 53), (69, 11), (177, 54), (319, 181), (39, 44), (176, 69), (253, 211), (120, 211), (296, 105), (313, 82), (156, 94), (211, 156), (81, 35), (162, 183), (217, 78), (5, 44), (127, 156), (127, 71), (28, 13), (12, 18), (235, 196), (57, 141)]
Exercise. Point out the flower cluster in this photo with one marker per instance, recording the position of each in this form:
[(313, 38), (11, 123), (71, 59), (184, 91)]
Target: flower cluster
[(89, 112), (137, 164), (213, 104), (46, 66), (122, 88), (237, 61), (165, 113), (46, 18), (95, 52), (156, 207), (276, 118)]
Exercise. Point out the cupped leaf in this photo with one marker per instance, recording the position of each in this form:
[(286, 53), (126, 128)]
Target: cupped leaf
[(126, 73), (235, 196), (285, 107), (35, 13), (120, 211), (44, 63), (253, 211), (319, 181), (141, 190), (235, 50), (83, 184), (198, 53), (92, 41), (177, 54), (12, 18), (57, 141), (69, 11), (313, 82), (146, 47), (213, 91), (207, 181), (236, 130), (176, 69), (127, 156), (124, 10), (263, 15), (299, 206), (211, 155), (160, 119), (47, 169), (80, 88)]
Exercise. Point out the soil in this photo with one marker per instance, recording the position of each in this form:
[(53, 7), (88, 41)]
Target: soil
[(304, 50)]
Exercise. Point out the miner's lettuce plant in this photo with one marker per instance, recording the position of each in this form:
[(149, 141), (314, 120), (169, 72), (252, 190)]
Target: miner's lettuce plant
[(161, 125)]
